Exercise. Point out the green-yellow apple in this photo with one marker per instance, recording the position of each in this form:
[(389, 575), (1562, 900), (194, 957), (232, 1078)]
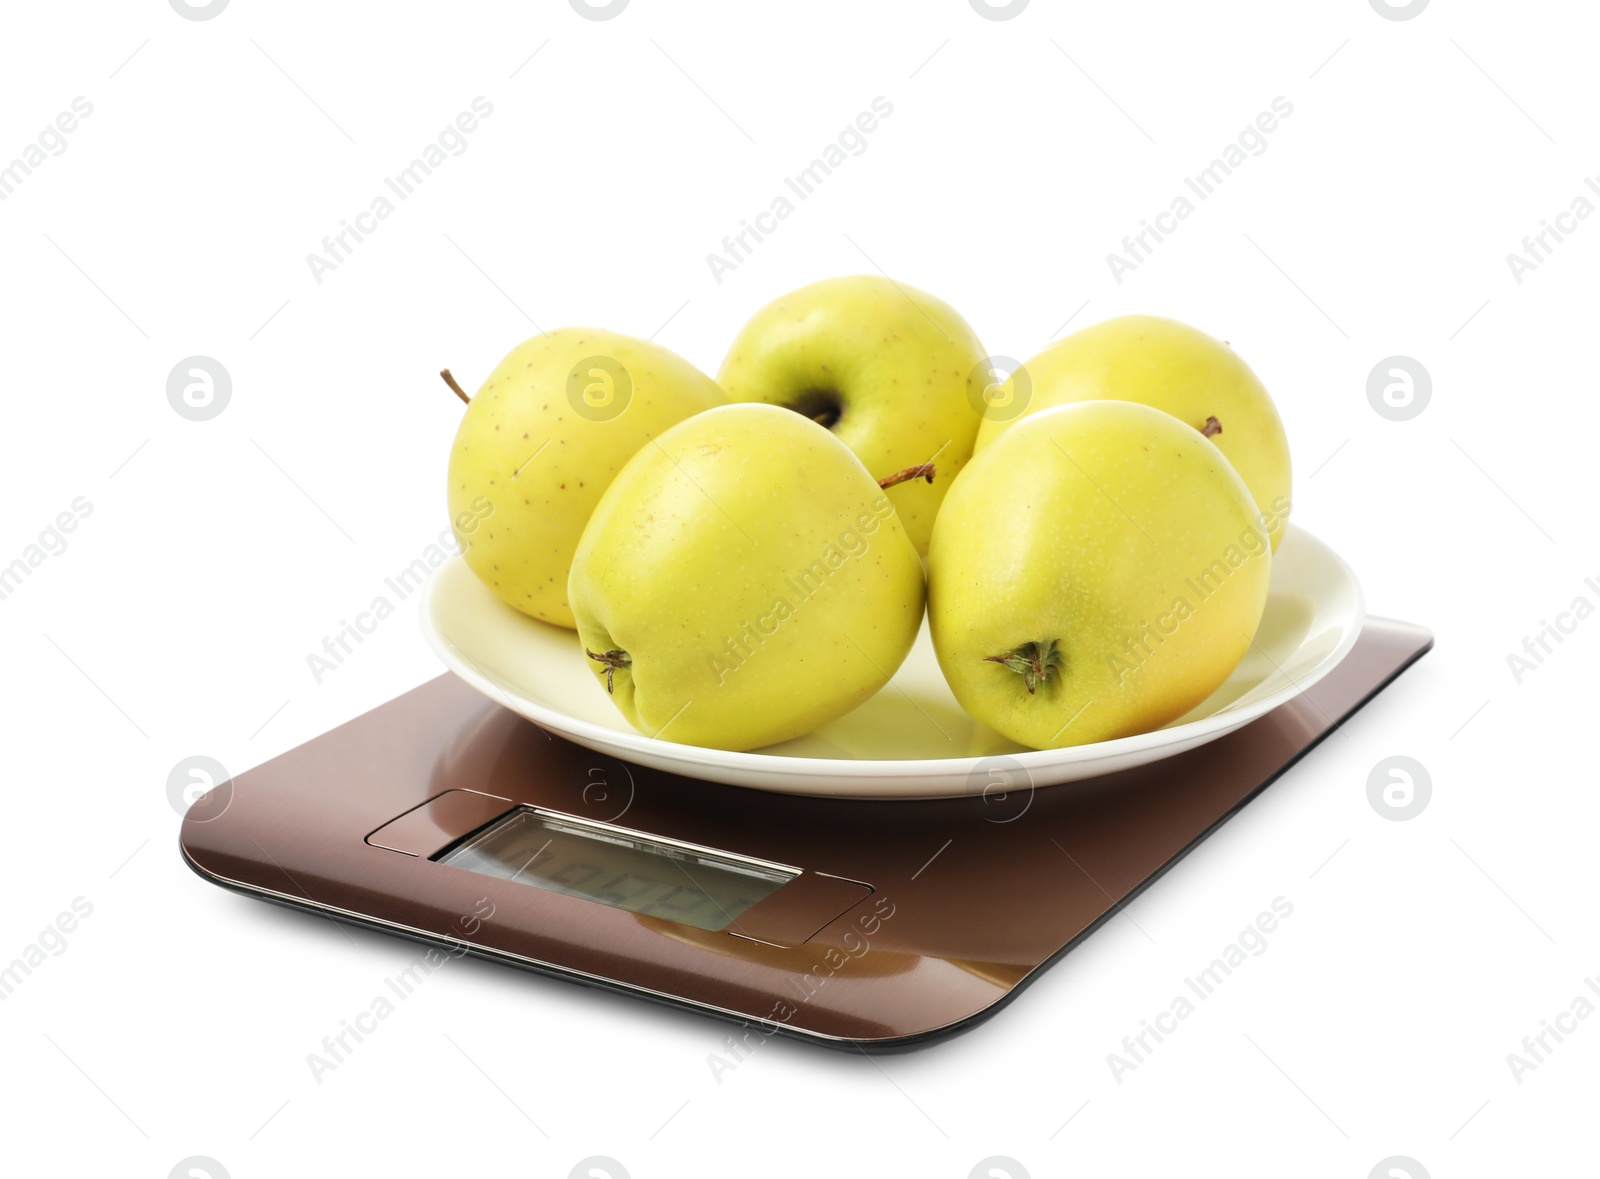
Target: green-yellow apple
[(1173, 367), (886, 367), (1097, 571), (540, 442), (743, 581)]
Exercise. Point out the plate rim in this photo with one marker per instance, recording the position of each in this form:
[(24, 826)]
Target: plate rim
[(781, 765)]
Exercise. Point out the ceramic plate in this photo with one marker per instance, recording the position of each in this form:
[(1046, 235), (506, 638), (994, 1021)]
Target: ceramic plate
[(911, 740)]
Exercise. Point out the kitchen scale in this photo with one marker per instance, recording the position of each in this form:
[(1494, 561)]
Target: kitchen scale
[(444, 817)]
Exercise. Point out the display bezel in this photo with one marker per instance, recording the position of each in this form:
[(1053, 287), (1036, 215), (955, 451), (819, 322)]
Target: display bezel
[(772, 875)]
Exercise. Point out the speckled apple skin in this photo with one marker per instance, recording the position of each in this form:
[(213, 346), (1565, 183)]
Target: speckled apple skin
[(527, 468)]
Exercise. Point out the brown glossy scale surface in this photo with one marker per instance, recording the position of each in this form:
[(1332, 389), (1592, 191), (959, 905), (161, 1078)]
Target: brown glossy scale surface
[(909, 949)]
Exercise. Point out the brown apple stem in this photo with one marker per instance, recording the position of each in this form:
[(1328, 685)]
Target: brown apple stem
[(614, 660), (1211, 427), (459, 391), (920, 471), (1037, 663)]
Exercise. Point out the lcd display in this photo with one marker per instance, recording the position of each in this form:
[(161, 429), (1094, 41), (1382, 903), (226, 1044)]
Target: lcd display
[(624, 869)]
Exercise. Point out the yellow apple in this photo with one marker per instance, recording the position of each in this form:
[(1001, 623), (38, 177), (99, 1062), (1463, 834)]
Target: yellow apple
[(540, 442), (1172, 367), (884, 366), (743, 581), (1097, 571)]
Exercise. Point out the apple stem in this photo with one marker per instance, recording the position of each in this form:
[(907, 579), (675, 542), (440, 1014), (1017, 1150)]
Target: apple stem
[(614, 660), (1211, 427), (920, 471), (1037, 663), (462, 393)]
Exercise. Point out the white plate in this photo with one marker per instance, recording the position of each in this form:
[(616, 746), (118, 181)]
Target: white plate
[(911, 740)]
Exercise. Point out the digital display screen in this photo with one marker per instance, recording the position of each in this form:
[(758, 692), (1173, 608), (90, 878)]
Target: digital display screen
[(624, 869)]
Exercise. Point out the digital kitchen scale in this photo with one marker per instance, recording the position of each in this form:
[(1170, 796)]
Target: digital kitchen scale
[(444, 817)]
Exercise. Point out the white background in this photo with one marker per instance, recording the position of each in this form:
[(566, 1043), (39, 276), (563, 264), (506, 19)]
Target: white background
[(219, 554)]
